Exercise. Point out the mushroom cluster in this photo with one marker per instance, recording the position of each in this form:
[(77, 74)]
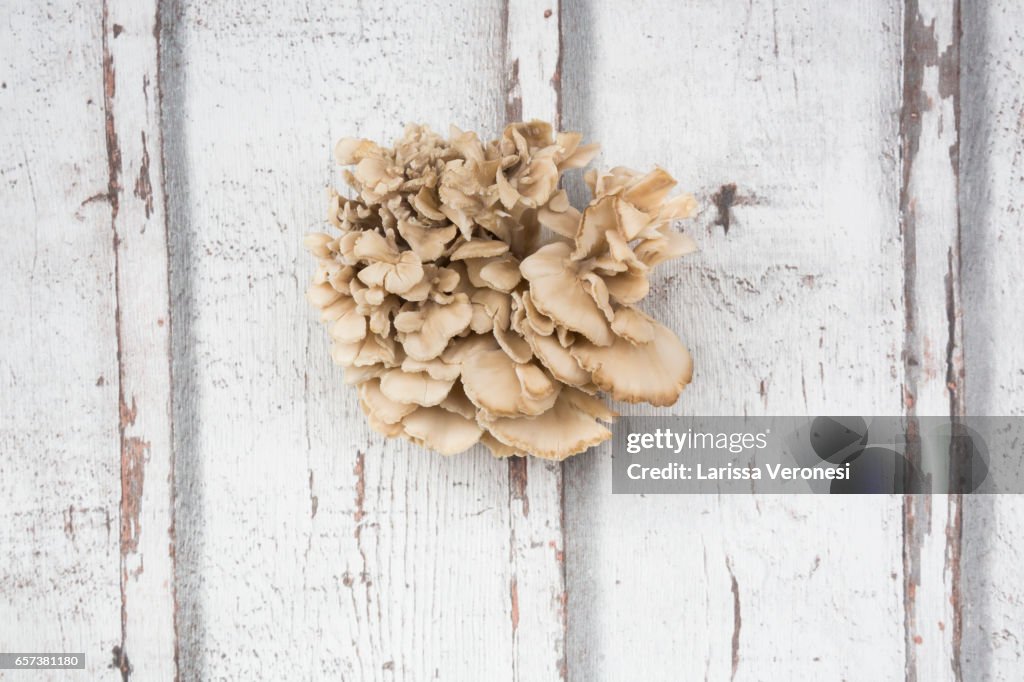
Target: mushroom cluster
[(470, 302)]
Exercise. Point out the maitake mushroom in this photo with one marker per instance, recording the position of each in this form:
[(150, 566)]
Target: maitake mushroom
[(462, 320)]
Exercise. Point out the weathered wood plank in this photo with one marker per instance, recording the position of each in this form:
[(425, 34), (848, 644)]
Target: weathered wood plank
[(783, 119), (933, 350), (59, 463), (307, 542), (992, 216), (538, 587), (131, 104)]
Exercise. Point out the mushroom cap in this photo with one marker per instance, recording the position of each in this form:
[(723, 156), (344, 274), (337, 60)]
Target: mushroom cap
[(457, 402), (628, 286), (559, 361), (414, 387), (502, 387), (357, 375), (322, 295), (599, 218), (426, 205), (368, 351), (461, 349), (441, 322), (514, 345), (538, 321), (500, 273), (397, 277), (491, 309), (497, 448), (538, 182), (579, 157), (436, 368), (379, 405), (560, 432), (350, 150), (318, 244), (565, 223), (428, 243), (438, 429), (655, 372), (479, 248), (349, 326), (672, 245), (633, 325), (649, 191), (556, 291)]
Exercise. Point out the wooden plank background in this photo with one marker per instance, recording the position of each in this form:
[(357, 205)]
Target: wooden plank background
[(189, 492)]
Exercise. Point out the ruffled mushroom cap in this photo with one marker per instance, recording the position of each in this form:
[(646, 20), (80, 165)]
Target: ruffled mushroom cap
[(426, 332), (439, 429), (557, 291), (418, 388), (396, 271), (469, 301), (568, 428), (502, 387), (428, 243), (655, 371), (383, 408)]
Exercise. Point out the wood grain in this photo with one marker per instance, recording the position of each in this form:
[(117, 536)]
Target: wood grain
[(309, 546), (59, 483), (782, 119), (933, 350), (859, 168), (992, 216), (134, 147)]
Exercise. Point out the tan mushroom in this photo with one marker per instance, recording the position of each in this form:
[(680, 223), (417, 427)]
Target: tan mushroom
[(387, 267), (318, 244), (558, 360), (479, 248), (322, 295), (502, 387), (436, 368), (497, 448), (349, 326), (654, 372), (437, 324), (564, 430), (439, 429), (368, 351), (382, 407), (491, 309), (557, 291), (428, 243), (670, 246), (461, 320), (414, 387), (354, 376)]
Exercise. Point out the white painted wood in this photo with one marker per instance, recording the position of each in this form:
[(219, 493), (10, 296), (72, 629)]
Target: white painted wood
[(992, 217), (308, 548), (59, 461), (535, 486), (311, 548), (796, 309), (933, 354), (134, 146)]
